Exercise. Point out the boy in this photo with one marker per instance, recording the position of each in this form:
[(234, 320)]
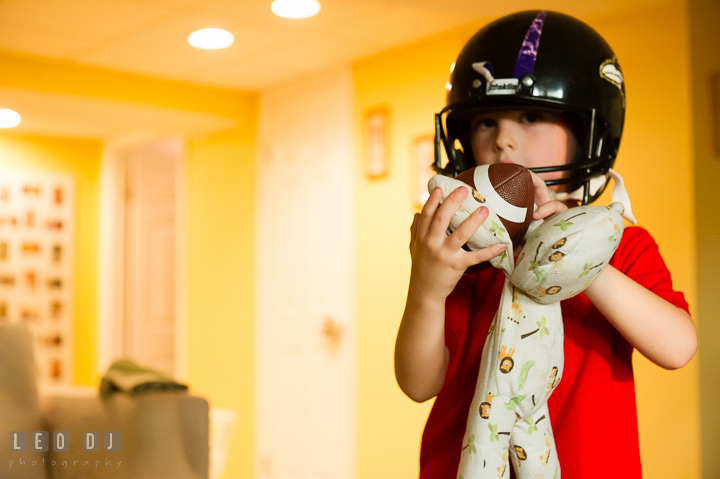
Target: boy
[(543, 90)]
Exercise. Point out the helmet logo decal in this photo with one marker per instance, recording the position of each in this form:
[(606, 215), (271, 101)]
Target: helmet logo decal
[(610, 71), (529, 49), (496, 86), (485, 71)]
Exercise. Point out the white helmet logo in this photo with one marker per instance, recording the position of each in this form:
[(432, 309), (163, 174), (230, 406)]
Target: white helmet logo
[(481, 69), (609, 70), (496, 86)]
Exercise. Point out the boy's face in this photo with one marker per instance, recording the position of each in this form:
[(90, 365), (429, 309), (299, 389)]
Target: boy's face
[(528, 138)]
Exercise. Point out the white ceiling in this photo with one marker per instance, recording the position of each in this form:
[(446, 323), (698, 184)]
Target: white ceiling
[(148, 37)]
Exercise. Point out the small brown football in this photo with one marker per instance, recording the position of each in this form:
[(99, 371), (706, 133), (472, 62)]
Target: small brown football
[(507, 189)]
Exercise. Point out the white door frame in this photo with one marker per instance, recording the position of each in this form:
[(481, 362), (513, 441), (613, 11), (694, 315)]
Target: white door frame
[(112, 252)]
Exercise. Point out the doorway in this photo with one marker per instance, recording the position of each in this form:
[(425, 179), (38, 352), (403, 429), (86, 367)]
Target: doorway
[(142, 273)]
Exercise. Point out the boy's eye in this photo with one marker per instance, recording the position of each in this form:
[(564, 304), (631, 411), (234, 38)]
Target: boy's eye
[(531, 117), (485, 123)]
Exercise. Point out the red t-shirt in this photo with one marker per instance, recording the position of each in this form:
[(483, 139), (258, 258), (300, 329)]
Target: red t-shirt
[(593, 408)]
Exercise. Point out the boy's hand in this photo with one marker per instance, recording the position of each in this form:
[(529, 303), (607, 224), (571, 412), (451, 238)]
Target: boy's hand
[(438, 260), (546, 205)]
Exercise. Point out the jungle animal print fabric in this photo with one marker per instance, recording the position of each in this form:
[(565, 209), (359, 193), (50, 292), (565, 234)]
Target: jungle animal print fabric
[(522, 360)]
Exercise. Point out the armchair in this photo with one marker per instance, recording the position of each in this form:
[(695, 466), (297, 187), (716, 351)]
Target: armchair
[(163, 434)]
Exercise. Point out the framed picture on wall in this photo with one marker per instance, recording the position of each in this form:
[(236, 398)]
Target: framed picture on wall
[(36, 265), (423, 155), (376, 142)]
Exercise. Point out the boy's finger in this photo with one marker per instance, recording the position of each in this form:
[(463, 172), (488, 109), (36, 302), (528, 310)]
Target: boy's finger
[(548, 209), (445, 212), (428, 212), (468, 227), (542, 195), (484, 254), (413, 227)]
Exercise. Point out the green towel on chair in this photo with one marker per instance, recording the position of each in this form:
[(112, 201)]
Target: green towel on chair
[(126, 376)]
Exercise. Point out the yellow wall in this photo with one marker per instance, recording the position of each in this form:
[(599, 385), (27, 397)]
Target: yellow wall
[(30, 73), (410, 81), (221, 282), (705, 41), (81, 160)]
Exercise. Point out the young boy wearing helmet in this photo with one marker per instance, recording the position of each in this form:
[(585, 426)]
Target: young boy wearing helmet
[(543, 90)]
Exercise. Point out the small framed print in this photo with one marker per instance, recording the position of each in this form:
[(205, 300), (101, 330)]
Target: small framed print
[(375, 126), (715, 97), (423, 156)]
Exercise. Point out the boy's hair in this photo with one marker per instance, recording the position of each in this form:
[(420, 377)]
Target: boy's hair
[(537, 60)]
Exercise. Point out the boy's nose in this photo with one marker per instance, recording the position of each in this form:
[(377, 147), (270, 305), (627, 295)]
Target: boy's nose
[(505, 143), (506, 138)]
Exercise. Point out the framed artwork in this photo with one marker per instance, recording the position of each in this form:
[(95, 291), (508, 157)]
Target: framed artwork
[(423, 156), (36, 265), (376, 142), (715, 96)]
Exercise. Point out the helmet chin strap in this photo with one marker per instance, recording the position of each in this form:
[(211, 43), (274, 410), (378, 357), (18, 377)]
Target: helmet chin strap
[(619, 193)]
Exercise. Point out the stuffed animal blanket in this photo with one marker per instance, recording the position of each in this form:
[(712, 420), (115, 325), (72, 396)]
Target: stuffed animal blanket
[(522, 360)]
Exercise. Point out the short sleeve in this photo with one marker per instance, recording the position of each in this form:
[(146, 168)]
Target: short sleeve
[(639, 258)]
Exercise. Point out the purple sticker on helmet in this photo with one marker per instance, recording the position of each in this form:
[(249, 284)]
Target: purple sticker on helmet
[(528, 51)]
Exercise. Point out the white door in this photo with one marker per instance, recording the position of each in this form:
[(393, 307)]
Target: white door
[(306, 373), (149, 328)]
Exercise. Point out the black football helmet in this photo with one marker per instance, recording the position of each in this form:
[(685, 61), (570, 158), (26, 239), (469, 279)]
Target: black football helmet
[(537, 60)]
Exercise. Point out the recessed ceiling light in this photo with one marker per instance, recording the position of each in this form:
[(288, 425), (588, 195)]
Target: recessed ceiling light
[(295, 8), (9, 118), (211, 38)]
